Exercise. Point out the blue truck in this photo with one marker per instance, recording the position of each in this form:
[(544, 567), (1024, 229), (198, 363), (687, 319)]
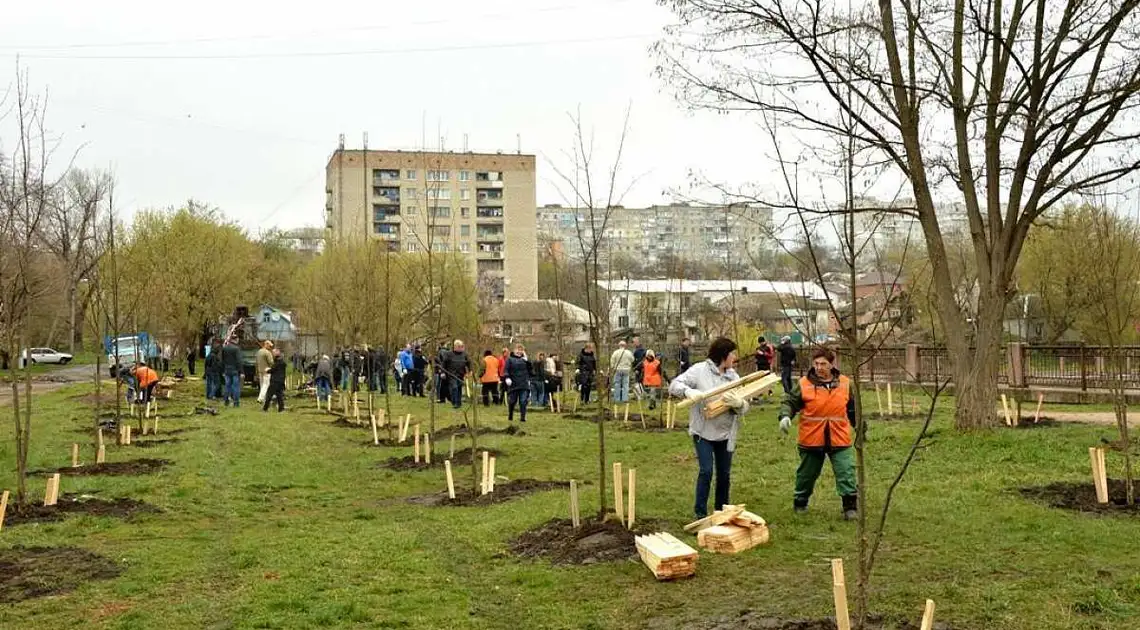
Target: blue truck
[(126, 350)]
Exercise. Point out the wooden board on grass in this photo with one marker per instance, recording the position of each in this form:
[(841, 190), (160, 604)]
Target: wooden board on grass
[(667, 557), (720, 517)]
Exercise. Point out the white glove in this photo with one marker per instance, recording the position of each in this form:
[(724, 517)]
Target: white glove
[(508, 382), (693, 393), (733, 400), (785, 424)]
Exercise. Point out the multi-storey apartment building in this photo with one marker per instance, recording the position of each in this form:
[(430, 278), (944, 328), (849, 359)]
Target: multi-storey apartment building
[(480, 205), (696, 233)]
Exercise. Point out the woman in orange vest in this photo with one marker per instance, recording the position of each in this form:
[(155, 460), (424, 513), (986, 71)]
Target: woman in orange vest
[(652, 377), (827, 413), (490, 378)]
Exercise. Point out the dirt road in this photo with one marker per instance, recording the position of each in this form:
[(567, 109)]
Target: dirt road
[(50, 381)]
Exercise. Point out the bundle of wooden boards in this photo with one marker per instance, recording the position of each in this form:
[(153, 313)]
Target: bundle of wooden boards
[(731, 529), (751, 386), (667, 557)]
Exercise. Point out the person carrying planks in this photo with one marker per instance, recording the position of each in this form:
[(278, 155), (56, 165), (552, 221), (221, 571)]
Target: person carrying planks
[(827, 413)]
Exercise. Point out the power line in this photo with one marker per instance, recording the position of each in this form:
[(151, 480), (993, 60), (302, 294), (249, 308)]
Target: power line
[(270, 36), (340, 53)]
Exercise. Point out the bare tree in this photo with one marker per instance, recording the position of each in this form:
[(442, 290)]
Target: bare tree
[(995, 106), (25, 193)]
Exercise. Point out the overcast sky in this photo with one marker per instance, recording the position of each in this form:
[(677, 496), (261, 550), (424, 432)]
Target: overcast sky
[(239, 103)]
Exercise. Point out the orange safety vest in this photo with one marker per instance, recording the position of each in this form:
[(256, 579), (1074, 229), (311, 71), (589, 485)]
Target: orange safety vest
[(651, 373), (824, 418), (490, 369), (145, 376)]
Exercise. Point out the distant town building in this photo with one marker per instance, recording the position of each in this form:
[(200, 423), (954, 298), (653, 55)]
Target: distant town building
[(537, 323), (651, 235), (309, 241), (480, 205)]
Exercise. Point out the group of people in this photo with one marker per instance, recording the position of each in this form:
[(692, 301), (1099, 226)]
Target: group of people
[(821, 398)]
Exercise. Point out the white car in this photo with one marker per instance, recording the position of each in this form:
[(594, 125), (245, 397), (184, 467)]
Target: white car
[(47, 355)]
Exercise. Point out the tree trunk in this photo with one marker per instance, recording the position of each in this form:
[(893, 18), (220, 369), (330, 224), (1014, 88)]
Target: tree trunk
[(976, 368)]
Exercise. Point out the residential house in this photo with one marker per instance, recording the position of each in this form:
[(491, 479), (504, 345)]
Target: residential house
[(275, 325), (536, 323)]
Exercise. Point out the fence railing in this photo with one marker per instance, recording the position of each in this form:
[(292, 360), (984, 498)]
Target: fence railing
[(1075, 366)]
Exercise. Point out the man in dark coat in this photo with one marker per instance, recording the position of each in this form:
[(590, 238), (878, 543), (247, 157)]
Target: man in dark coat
[(231, 374), (684, 356), (418, 372), (455, 368), (380, 369), (787, 354), (587, 368), (276, 382), (439, 377), (516, 376)]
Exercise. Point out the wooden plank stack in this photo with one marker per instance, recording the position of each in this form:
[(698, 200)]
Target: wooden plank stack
[(741, 532), (667, 557), (747, 391)]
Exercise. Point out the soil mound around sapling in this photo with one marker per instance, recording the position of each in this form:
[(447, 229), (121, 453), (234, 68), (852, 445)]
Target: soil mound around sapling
[(1044, 423), (1081, 497), (504, 492), (462, 457), (93, 399), (143, 466), (896, 417), (461, 429), (77, 504), (559, 542), (155, 443), (758, 621), (30, 572)]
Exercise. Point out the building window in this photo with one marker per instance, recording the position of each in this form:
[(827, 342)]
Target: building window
[(410, 173), (623, 322), (382, 212), (439, 193), (441, 248), (438, 176), (386, 228), (465, 230), (465, 247), (464, 176), (623, 302), (411, 210), (508, 330), (443, 231), (465, 195), (439, 212), (489, 213), (410, 193), (265, 317), (385, 175), (492, 194), (488, 176), (412, 247), (465, 212)]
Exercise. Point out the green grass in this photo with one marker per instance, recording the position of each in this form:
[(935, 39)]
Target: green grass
[(280, 521)]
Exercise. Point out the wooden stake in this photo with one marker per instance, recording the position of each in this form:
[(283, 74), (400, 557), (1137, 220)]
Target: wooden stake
[(101, 455), (155, 431), (451, 451), (928, 616), (375, 432), (427, 448), (491, 477), (913, 405), (1037, 414), (618, 493), (51, 493), (75, 456), (416, 445), (486, 469), (632, 497), (381, 417), (626, 419), (128, 435), (1100, 481), (878, 399), (890, 401), (839, 586), (404, 428), (641, 412), (147, 417), (3, 507), (99, 434), (450, 479), (575, 519), (1005, 410)]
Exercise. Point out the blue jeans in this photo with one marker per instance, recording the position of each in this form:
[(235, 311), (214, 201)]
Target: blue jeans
[(517, 397), (324, 388), (537, 392), (211, 386), (786, 377), (456, 387), (232, 389), (711, 454), (344, 379), (621, 386)]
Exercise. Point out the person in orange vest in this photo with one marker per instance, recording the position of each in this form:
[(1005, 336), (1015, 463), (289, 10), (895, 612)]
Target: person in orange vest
[(146, 379), (652, 377), (827, 415), (490, 378)]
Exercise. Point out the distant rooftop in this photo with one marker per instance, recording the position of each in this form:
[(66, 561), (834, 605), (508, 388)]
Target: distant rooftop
[(809, 290)]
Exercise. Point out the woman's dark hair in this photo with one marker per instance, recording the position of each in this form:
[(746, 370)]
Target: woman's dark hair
[(487, 353), (720, 348), (826, 353)]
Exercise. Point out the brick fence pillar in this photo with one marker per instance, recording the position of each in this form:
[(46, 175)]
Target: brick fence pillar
[(912, 374), (1016, 364)]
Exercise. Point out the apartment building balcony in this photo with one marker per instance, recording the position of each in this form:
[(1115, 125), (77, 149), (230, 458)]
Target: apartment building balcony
[(492, 213), (386, 194), (489, 197)]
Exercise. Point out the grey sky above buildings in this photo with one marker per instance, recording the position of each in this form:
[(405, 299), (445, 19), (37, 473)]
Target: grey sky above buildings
[(240, 103)]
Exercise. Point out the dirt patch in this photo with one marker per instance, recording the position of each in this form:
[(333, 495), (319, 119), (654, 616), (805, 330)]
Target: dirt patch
[(114, 469), (155, 443), (77, 504), (1044, 423), (93, 399), (504, 492), (462, 457), (558, 541), (461, 429), (30, 572), (1081, 497), (758, 621), (897, 417)]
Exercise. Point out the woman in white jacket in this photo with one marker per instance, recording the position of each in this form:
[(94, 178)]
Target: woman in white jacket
[(714, 439)]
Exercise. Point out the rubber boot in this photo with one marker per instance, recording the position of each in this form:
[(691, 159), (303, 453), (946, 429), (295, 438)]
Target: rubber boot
[(850, 507), (799, 508)]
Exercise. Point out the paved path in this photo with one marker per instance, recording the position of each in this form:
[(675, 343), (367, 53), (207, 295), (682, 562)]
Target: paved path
[(1091, 417), (50, 381)]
